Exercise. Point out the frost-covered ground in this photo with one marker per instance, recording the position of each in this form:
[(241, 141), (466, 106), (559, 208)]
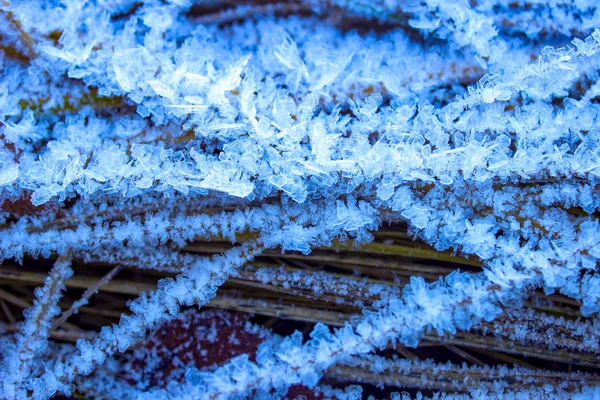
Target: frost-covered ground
[(131, 129)]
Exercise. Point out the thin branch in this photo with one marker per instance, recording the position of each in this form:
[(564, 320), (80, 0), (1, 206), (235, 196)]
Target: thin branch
[(85, 297)]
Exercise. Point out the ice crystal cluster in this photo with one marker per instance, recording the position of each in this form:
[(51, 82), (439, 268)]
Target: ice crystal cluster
[(130, 129)]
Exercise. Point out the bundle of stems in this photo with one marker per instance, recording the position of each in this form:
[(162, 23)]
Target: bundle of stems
[(90, 274)]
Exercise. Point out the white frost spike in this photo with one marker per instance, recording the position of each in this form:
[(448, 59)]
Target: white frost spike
[(129, 65), (229, 81), (196, 78), (63, 55), (162, 89), (9, 174), (288, 54), (490, 94)]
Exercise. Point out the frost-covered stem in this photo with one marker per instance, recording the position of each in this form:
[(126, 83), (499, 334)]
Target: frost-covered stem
[(460, 22), (178, 227), (538, 328), (502, 86), (32, 337), (197, 285), (105, 211), (405, 373), (535, 18), (334, 288)]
